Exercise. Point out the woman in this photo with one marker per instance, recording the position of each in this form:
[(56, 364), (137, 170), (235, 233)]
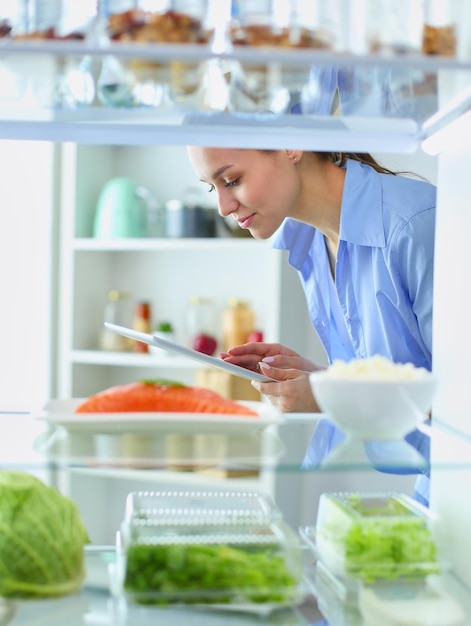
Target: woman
[(362, 241)]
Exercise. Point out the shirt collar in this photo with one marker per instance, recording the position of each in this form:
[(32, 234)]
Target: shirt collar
[(361, 218)]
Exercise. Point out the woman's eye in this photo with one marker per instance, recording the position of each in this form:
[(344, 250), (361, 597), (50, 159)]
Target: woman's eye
[(231, 183)]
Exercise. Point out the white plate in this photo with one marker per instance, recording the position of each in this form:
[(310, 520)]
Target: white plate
[(62, 413)]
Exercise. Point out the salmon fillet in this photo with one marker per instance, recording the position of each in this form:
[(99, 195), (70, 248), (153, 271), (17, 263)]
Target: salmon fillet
[(160, 396)]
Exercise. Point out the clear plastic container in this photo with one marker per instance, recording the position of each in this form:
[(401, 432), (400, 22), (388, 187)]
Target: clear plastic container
[(208, 548), (375, 536), (194, 508)]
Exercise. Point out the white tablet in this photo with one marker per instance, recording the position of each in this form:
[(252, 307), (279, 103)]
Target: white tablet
[(191, 354)]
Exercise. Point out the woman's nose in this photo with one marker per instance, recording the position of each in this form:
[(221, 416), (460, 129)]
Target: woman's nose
[(226, 204)]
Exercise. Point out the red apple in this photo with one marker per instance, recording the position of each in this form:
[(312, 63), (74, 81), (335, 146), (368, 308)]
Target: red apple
[(255, 335), (205, 344)]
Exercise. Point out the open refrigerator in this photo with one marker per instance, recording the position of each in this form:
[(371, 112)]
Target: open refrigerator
[(395, 118)]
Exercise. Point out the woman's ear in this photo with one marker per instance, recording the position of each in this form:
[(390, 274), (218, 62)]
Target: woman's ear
[(294, 155)]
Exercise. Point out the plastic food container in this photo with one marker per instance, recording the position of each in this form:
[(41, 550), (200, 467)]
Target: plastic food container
[(207, 548), (375, 536)]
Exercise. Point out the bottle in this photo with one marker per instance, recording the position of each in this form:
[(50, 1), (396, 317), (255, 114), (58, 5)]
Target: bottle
[(113, 313), (238, 321), (142, 322)]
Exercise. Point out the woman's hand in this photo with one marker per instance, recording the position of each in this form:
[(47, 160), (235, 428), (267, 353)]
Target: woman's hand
[(292, 394), (250, 355)]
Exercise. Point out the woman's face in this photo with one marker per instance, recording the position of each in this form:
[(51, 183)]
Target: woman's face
[(259, 189)]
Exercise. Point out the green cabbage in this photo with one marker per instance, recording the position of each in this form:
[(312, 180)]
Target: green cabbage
[(41, 539)]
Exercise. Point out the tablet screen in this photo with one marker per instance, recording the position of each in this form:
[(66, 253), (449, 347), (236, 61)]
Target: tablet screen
[(165, 344)]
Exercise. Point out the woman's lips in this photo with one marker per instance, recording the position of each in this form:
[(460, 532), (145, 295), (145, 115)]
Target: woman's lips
[(245, 222)]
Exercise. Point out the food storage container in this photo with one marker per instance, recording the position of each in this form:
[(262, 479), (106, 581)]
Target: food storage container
[(143, 81), (208, 548), (290, 25), (61, 81), (440, 28), (375, 536)]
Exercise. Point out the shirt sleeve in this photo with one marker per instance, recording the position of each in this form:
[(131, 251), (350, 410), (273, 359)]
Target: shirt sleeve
[(415, 253)]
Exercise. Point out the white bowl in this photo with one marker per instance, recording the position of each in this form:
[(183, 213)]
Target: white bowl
[(374, 409)]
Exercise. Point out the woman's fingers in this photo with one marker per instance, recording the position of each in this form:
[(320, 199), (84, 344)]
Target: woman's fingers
[(292, 393), (260, 349), (296, 362)]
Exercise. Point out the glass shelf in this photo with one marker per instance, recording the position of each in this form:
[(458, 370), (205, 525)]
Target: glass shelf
[(94, 604), (347, 102), (102, 357), (213, 451)]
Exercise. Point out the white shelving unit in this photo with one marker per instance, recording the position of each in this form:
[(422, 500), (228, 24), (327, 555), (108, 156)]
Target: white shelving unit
[(165, 272)]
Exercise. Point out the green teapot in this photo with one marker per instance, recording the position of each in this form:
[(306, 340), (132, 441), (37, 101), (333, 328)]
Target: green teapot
[(123, 210)]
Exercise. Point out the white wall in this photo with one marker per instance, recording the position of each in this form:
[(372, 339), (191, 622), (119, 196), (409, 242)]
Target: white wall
[(26, 273)]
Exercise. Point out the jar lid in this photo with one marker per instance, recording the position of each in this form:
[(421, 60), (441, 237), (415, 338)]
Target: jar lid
[(194, 300), (238, 303), (114, 295)]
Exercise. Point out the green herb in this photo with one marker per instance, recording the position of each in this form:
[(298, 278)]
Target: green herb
[(162, 382), (159, 574), (41, 539), (164, 327)]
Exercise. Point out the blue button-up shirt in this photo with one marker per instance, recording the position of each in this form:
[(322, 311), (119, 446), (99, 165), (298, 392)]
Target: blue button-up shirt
[(381, 300)]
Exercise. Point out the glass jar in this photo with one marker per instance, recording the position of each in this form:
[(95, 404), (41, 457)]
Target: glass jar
[(117, 312), (439, 33), (393, 27), (292, 24), (257, 88), (58, 81), (200, 319), (238, 321), (142, 81)]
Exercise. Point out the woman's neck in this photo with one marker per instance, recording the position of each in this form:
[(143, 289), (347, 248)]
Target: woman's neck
[(321, 198)]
